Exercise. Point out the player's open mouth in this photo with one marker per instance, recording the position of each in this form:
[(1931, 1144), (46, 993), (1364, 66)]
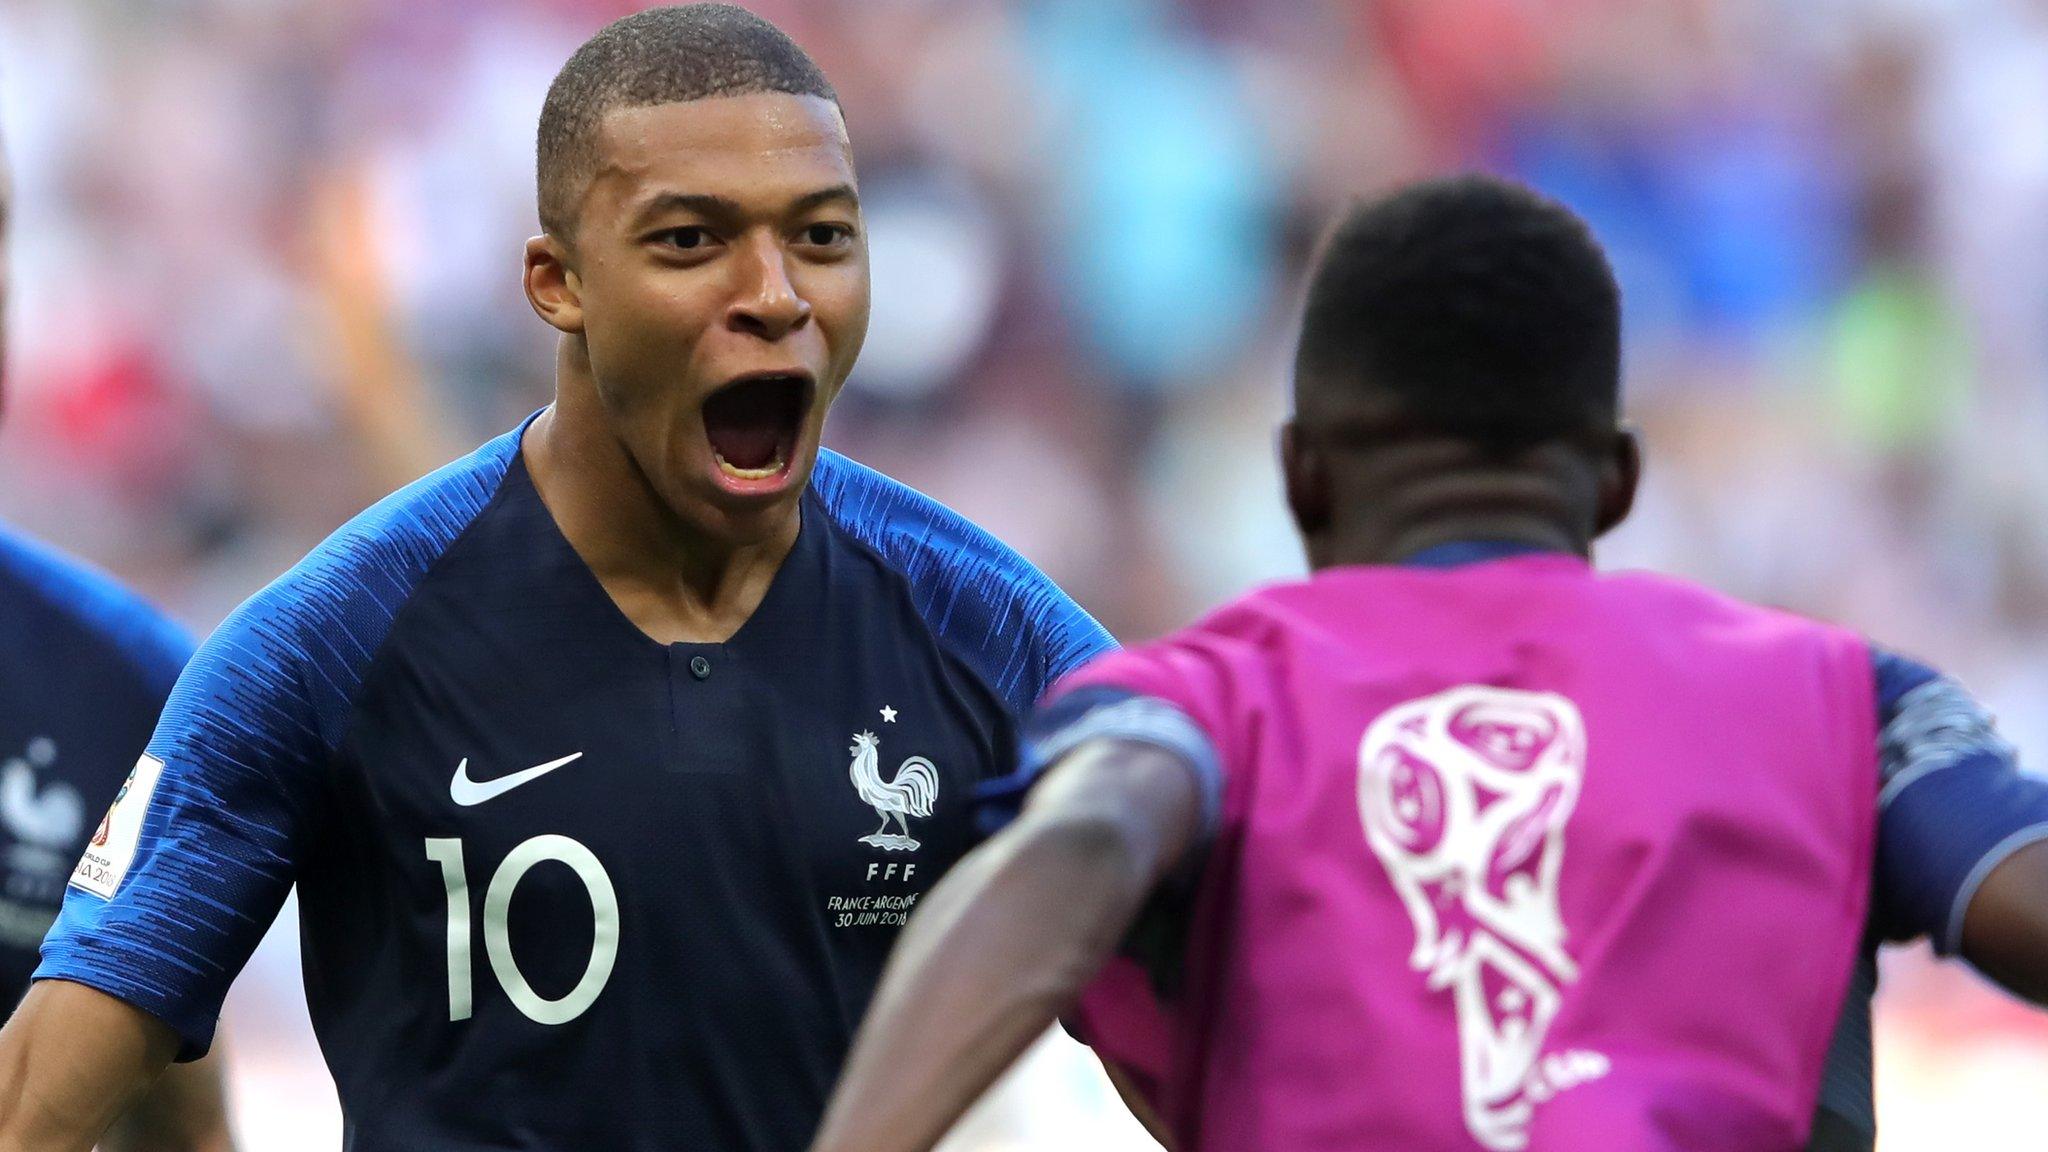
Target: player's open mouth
[(753, 424)]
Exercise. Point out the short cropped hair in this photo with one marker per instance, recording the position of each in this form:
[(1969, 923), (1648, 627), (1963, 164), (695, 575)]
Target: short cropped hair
[(1487, 310), (669, 55)]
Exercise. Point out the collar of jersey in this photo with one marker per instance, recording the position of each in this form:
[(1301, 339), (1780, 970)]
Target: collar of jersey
[(1459, 553)]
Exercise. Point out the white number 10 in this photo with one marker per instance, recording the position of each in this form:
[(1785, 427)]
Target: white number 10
[(604, 909)]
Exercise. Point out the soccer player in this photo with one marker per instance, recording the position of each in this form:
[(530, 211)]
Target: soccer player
[(1459, 843), (87, 667), (609, 759)]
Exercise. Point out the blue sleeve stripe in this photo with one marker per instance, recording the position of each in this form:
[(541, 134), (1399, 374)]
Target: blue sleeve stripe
[(247, 742), (1952, 937), (1144, 720), (1012, 623), (1103, 712)]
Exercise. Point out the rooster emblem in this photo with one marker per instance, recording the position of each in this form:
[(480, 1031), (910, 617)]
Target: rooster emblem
[(50, 816), (910, 793)]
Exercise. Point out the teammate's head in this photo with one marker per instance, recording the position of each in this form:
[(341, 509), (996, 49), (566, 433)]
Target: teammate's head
[(703, 256), (1459, 371)]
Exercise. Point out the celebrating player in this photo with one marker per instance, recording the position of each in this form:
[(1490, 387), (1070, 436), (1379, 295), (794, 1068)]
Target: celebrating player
[(87, 669), (1459, 843), (609, 759)]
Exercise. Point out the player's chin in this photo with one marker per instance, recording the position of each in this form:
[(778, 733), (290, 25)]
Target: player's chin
[(745, 506)]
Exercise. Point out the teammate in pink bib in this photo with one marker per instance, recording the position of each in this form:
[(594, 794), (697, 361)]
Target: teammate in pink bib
[(1459, 843)]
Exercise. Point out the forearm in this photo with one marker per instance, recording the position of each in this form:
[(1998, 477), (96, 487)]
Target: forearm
[(2005, 932), (1002, 946), (71, 1060)]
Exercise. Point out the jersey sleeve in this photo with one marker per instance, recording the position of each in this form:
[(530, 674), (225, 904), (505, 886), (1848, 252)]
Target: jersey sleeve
[(1019, 630), (1953, 804), (205, 840), (1169, 695), (202, 843)]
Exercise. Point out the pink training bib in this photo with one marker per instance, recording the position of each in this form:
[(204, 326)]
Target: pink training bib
[(1512, 856)]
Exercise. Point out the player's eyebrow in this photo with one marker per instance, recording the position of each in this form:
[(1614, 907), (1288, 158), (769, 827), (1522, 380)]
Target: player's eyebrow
[(713, 207), (823, 196), (694, 203)]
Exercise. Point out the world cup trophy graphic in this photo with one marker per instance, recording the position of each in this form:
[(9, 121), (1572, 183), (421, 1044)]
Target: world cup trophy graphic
[(1465, 795)]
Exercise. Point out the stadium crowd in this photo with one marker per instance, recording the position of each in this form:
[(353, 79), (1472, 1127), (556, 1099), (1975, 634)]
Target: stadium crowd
[(266, 252)]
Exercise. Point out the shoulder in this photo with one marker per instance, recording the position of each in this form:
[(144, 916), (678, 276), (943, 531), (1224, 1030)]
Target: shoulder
[(1928, 721), (1220, 671), (131, 635), (990, 604), (1679, 608), (313, 631), (1691, 601), (1234, 642)]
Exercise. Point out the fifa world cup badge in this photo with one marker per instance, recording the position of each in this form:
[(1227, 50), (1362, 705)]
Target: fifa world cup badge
[(112, 848)]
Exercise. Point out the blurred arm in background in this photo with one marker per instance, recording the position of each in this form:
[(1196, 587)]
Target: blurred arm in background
[(381, 389)]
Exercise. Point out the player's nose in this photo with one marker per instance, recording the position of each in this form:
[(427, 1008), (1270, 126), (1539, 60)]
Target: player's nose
[(767, 303)]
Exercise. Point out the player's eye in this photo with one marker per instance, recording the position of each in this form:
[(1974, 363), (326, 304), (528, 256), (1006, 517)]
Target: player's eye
[(827, 235), (689, 238)]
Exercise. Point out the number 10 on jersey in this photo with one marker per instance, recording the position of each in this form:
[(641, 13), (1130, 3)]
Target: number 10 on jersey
[(604, 944)]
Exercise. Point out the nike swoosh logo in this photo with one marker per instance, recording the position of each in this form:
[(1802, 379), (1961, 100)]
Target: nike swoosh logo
[(469, 793)]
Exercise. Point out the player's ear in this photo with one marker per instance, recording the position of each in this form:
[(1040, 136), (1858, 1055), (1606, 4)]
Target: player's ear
[(1307, 473), (1620, 473), (552, 286)]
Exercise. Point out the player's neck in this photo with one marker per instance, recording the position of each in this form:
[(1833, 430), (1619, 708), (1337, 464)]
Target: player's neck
[(672, 582), (1391, 524), (1394, 503)]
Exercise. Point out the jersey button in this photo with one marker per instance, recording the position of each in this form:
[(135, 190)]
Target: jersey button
[(700, 667)]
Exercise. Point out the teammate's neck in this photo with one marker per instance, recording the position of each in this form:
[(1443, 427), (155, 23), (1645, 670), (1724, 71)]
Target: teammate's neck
[(1386, 505), (671, 581), (1380, 544)]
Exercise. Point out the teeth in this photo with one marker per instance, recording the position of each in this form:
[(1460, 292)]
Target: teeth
[(774, 468)]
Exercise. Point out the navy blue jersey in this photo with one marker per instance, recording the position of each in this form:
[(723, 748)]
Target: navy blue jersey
[(562, 886), (1953, 804), (87, 666)]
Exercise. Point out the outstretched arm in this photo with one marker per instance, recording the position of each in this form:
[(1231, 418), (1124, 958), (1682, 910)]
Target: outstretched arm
[(2005, 932), (1008, 940), (71, 1060), (1962, 855)]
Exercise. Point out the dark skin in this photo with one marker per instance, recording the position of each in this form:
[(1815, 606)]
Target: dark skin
[(1050, 897), (718, 239)]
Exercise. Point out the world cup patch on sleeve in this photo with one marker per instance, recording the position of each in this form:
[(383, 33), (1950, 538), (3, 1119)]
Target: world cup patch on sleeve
[(113, 843)]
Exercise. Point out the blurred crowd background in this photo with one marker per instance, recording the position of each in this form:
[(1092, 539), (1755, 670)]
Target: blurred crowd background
[(266, 269)]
